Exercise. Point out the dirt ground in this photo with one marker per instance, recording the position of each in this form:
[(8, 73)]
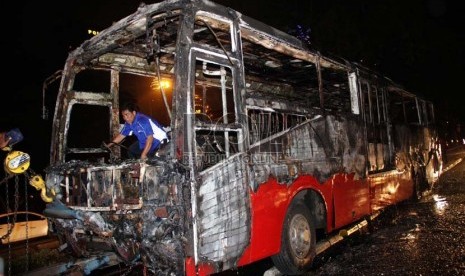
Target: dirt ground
[(411, 238)]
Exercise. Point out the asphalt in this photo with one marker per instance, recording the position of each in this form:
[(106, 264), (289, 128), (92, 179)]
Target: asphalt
[(411, 238)]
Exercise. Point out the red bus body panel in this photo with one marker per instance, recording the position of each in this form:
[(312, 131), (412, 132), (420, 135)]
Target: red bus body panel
[(346, 199)]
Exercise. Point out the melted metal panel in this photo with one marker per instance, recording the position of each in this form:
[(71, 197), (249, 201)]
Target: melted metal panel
[(223, 202), (131, 206), (320, 147)]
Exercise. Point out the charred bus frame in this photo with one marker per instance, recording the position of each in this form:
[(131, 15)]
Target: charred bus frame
[(268, 139)]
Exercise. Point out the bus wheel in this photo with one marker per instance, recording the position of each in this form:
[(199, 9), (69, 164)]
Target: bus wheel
[(298, 242)]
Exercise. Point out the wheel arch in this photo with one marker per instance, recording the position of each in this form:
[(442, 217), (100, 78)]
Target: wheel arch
[(305, 218), (314, 201)]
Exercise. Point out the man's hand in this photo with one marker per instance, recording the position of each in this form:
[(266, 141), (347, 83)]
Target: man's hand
[(108, 146)]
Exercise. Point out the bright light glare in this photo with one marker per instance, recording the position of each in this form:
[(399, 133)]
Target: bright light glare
[(92, 32), (440, 204), (162, 84), (165, 84)]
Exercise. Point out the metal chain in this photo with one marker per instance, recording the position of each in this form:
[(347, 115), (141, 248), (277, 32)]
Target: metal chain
[(27, 221), (16, 206), (12, 223), (8, 223), (16, 198), (15, 212), (5, 180)]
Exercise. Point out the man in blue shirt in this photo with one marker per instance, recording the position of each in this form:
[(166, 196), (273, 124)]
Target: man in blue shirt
[(150, 133)]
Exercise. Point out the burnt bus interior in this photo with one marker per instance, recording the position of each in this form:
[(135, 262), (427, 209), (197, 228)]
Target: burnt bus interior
[(288, 84), (302, 88), (385, 110), (247, 88)]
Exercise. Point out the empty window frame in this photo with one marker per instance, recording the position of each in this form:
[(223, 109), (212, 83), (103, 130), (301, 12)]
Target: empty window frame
[(83, 142), (265, 123), (336, 91), (273, 76), (216, 130), (374, 101), (213, 32)]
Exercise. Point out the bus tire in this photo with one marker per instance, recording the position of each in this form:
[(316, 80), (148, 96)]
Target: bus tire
[(298, 242)]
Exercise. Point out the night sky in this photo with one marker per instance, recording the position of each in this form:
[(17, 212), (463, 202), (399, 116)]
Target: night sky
[(417, 43)]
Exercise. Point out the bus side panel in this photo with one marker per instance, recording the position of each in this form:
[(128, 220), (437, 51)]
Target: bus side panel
[(223, 212), (388, 188), (317, 149), (269, 204)]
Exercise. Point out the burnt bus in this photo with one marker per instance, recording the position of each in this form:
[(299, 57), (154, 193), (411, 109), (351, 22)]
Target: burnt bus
[(273, 149)]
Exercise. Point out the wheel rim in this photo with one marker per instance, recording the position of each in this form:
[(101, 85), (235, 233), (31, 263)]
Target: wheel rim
[(300, 236)]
